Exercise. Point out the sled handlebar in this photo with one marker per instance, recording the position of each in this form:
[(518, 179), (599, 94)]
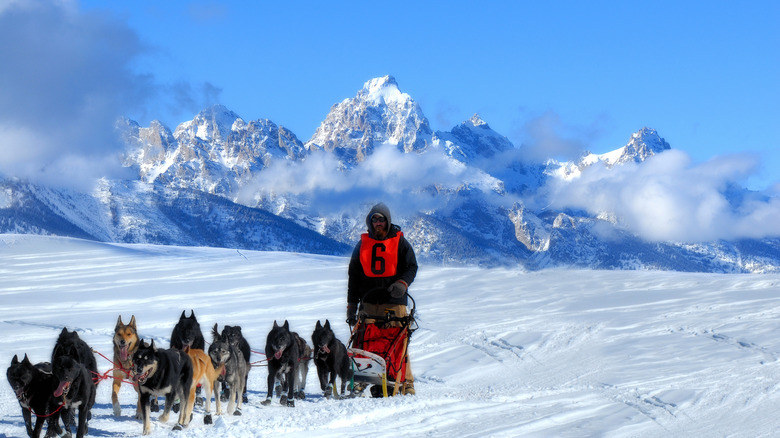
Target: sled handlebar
[(383, 288)]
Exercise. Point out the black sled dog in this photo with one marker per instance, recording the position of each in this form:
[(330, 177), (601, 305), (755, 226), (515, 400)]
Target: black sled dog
[(74, 368), (34, 387), (77, 390), (330, 358), (233, 336), (288, 361), (234, 371), (186, 333), (167, 373)]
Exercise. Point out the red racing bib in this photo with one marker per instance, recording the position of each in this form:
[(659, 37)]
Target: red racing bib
[(379, 258)]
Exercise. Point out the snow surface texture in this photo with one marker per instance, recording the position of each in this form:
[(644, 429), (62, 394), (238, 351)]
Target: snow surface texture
[(499, 352)]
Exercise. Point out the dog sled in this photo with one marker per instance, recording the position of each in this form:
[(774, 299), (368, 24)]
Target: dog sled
[(378, 350)]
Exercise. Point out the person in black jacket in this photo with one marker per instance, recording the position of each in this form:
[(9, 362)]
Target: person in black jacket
[(382, 268)]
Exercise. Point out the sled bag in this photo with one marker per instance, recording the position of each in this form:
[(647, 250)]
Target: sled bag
[(387, 342)]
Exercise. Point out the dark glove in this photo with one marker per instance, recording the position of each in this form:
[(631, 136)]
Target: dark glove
[(351, 314), (397, 289)]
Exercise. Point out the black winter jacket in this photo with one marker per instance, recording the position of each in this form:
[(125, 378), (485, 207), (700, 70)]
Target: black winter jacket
[(359, 283)]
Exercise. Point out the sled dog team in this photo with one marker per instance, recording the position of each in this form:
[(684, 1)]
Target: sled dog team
[(65, 387)]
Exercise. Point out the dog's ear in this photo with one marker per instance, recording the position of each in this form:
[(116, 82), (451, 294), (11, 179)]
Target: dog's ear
[(15, 360), (192, 314), (318, 326), (276, 325), (183, 315), (132, 322), (152, 346), (64, 331), (327, 324), (26, 360), (119, 322), (215, 332), (286, 325)]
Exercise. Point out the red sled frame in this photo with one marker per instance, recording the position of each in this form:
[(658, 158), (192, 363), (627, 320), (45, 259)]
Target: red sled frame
[(378, 349)]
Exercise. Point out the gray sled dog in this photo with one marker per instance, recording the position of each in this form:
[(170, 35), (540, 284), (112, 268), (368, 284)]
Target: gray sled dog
[(227, 356), (288, 356), (232, 334), (163, 372), (330, 358)]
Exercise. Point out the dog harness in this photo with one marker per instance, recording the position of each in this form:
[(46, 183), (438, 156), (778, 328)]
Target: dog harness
[(379, 258)]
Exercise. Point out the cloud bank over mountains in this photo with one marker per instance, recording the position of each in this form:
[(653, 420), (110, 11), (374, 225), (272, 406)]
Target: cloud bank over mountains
[(669, 198), (67, 76)]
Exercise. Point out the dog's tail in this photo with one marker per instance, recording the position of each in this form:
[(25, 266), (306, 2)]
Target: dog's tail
[(215, 336)]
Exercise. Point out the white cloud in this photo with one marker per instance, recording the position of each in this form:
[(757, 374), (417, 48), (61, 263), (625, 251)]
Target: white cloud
[(388, 175), (65, 80), (668, 198)]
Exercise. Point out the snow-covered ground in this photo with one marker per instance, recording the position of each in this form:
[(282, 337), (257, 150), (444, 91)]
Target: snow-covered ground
[(499, 352)]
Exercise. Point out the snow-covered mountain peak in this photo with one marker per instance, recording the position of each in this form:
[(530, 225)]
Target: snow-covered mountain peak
[(476, 120), (643, 144), (379, 113), (649, 140), (472, 139), (213, 123), (384, 90)]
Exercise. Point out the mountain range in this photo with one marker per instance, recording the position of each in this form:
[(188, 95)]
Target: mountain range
[(467, 196)]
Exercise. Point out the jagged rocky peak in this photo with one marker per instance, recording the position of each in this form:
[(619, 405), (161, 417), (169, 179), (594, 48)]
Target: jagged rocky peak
[(472, 139), (213, 123), (379, 113), (647, 140), (477, 121), (643, 144), (384, 90)]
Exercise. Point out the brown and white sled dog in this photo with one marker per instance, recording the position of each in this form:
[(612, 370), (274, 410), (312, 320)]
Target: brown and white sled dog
[(204, 374), (125, 345)]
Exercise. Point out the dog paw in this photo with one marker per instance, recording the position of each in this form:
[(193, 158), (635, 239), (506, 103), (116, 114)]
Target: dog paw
[(237, 413), (283, 400), (266, 402), (290, 403), (176, 407), (207, 419), (177, 427)]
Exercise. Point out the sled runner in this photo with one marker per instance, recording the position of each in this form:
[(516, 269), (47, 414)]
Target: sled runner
[(378, 350)]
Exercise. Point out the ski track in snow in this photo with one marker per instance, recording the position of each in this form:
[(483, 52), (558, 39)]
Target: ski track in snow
[(499, 352)]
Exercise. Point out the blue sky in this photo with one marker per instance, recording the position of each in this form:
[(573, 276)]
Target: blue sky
[(703, 74)]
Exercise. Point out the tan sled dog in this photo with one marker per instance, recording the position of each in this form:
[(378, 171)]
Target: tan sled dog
[(203, 373), (125, 344)]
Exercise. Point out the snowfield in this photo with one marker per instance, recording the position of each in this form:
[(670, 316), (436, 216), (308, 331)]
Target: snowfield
[(499, 352)]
